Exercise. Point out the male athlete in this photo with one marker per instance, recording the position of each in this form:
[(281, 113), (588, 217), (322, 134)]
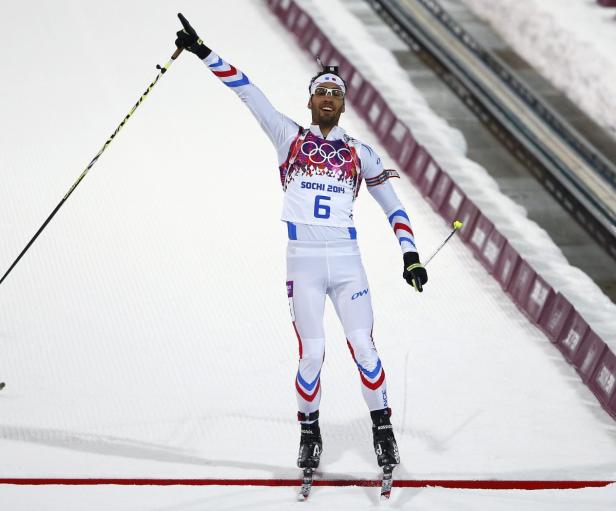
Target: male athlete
[(321, 168)]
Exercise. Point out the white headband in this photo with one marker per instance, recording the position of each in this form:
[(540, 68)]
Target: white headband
[(325, 78)]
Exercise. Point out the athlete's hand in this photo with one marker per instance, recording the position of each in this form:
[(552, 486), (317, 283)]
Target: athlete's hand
[(414, 272), (189, 40)]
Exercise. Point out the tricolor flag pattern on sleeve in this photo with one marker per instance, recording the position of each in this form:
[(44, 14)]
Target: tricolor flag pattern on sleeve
[(401, 225), (227, 73), (381, 178)]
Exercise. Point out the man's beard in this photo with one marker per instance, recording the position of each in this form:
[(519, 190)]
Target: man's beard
[(329, 121)]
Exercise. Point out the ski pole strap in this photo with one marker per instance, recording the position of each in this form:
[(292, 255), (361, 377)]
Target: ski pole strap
[(414, 266), (308, 417), (415, 282)]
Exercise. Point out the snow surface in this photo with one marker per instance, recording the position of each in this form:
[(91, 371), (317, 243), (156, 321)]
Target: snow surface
[(277, 499), (146, 333), (571, 43)]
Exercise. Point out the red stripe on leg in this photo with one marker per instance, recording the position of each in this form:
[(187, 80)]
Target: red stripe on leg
[(299, 340), (307, 397), (369, 384), (351, 350)]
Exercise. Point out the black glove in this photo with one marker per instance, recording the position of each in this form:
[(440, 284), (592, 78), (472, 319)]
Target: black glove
[(189, 40), (414, 272)]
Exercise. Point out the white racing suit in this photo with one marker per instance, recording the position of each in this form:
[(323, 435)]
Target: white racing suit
[(321, 177)]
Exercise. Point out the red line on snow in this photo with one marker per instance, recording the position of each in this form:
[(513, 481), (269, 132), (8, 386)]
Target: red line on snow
[(400, 483)]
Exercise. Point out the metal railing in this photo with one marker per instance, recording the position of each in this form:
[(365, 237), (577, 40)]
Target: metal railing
[(574, 172)]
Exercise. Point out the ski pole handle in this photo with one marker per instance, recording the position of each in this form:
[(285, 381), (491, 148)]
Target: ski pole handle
[(176, 54)]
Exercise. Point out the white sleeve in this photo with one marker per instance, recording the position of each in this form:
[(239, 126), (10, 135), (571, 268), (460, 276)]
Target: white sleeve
[(377, 182), (279, 128)]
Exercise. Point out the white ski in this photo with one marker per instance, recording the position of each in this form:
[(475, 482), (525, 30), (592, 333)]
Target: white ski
[(304, 491), (387, 482)]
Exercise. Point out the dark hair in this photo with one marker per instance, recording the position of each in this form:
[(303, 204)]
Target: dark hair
[(324, 71)]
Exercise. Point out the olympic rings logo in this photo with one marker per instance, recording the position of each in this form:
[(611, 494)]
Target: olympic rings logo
[(319, 154)]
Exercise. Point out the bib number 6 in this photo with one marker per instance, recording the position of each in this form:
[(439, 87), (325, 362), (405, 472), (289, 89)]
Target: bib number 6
[(322, 210)]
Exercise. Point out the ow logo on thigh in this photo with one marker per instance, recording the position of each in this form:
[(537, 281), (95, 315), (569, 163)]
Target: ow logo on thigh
[(359, 293)]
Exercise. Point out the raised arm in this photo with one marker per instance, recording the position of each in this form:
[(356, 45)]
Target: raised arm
[(379, 186), (279, 128)]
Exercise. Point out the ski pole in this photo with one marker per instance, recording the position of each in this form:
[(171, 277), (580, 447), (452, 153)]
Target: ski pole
[(163, 70), (457, 225)]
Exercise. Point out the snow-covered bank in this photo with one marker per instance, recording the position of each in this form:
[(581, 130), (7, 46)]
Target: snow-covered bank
[(447, 146), (571, 43)]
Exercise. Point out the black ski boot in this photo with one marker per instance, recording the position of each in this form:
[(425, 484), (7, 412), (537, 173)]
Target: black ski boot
[(385, 445), (310, 446)]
